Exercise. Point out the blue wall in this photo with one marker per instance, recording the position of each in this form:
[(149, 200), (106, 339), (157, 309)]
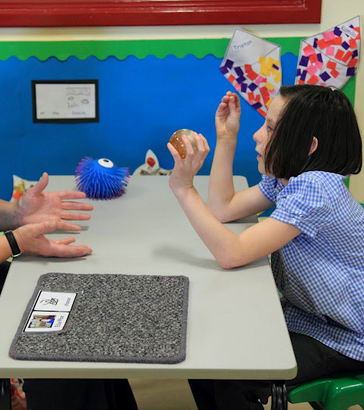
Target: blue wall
[(141, 103)]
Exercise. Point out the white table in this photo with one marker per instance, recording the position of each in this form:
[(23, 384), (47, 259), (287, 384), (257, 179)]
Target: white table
[(236, 328)]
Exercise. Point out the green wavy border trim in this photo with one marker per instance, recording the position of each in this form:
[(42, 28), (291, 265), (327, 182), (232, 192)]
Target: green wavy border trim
[(121, 49)]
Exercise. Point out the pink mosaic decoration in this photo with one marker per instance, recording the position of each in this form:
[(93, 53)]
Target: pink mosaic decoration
[(330, 58), (253, 67)]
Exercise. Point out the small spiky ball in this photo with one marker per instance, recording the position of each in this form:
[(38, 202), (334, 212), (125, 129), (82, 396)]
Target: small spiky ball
[(101, 178)]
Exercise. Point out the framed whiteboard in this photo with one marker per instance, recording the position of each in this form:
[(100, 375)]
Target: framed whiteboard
[(65, 101)]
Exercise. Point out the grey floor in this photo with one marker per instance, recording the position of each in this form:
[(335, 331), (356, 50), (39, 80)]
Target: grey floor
[(176, 395)]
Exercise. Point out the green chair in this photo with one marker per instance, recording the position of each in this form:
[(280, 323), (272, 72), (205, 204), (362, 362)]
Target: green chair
[(331, 394)]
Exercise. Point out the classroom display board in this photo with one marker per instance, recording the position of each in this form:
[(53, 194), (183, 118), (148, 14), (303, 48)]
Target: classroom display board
[(146, 91)]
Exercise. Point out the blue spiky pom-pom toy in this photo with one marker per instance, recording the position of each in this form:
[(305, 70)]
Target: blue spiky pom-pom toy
[(101, 178)]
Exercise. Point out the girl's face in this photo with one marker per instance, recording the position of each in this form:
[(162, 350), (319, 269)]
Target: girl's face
[(263, 135)]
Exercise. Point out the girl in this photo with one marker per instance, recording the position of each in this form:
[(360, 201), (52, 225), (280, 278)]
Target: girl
[(309, 142)]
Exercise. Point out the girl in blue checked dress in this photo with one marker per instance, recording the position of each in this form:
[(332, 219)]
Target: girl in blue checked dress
[(308, 144)]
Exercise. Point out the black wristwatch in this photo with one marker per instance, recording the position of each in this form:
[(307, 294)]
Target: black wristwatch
[(15, 250)]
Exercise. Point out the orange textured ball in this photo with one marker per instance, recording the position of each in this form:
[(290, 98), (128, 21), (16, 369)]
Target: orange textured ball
[(177, 142)]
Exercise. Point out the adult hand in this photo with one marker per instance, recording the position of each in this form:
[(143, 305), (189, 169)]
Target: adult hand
[(31, 240), (39, 206), (184, 170), (227, 117)]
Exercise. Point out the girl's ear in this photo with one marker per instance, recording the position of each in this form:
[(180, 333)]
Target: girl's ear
[(314, 145)]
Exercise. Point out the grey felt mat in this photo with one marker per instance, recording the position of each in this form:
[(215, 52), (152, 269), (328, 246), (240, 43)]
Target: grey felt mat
[(115, 318)]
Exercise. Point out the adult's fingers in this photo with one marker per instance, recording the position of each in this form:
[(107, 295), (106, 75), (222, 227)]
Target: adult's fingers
[(73, 216), (69, 251), (71, 194), (78, 206), (50, 226), (65, 226), (40, 185), (65, 241)]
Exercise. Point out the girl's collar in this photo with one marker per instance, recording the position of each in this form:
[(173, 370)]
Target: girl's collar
[(283, 181)]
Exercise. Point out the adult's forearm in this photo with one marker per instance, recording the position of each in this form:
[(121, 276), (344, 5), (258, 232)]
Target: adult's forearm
[(5, 250), (8, 218)]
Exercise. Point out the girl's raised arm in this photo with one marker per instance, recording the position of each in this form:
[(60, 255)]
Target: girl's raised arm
[(223, 201)]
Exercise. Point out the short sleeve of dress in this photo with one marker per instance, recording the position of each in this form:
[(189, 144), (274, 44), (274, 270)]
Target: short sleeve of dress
[(304, 203), (268, 187)]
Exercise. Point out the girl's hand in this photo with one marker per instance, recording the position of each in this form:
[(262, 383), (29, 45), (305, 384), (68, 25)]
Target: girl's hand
[(227, 118), (31, 240), (37, 206), (184, 170)]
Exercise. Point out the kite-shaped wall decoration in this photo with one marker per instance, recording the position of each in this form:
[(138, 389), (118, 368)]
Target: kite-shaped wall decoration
[(330, 58), (253, 67)]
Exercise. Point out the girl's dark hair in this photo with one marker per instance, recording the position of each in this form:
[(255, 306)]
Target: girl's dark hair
[(314, 111)]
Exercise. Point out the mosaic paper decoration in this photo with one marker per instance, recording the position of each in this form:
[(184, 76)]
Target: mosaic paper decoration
[(253, 67), (330, 58)]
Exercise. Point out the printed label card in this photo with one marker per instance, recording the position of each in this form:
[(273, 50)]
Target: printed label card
[(41, 321), (50, 311), (55, 301)]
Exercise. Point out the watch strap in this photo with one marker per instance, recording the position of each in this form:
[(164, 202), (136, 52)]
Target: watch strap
[(15, 250)]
